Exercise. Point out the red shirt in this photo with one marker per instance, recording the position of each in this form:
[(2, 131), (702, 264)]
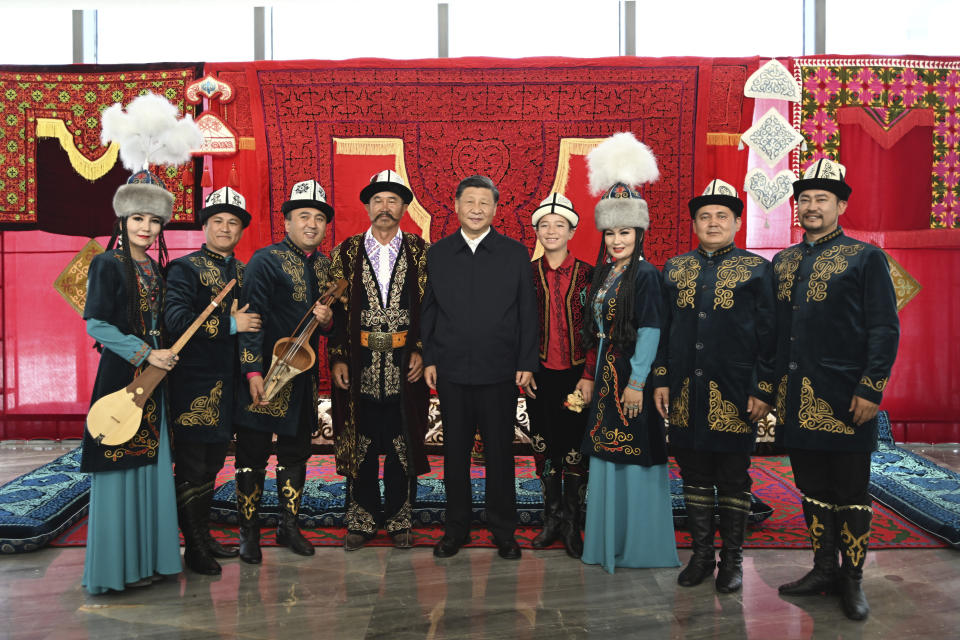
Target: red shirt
[(558, 282)]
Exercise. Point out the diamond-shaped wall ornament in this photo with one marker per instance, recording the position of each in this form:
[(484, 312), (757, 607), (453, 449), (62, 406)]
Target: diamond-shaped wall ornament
[(772, 137), (773, 81), (904, 285), (72, 281), (769, 193)]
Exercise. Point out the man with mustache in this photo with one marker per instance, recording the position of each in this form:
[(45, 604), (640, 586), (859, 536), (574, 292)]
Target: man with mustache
[(837, 335), (379, 396)]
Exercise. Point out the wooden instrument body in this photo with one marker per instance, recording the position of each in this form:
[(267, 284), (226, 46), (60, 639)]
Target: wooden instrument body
[(115, 418)]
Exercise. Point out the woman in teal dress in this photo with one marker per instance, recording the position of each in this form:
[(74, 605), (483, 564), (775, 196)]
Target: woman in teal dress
[(132, 537), (629, 517)]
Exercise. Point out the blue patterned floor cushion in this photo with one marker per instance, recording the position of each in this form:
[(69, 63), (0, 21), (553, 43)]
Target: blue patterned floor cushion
[(921, 491), (38, 506)]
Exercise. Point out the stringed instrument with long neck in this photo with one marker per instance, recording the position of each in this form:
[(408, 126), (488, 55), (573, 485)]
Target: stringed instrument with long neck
[(292, 356), (115, 418)]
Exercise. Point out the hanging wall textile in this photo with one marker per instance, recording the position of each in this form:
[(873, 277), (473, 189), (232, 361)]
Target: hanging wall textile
[(502, 118), (63, 103), (886, 88)]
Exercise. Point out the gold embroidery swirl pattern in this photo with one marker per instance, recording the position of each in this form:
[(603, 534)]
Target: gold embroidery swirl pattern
[(321, 271), (660, 371), (684, 272), (280, 405), (212, 326), (538, 443), (205, 410), (816, 532), (293, 267), (786, 270), (877, 386), (247, 504), (730, 273), (830, 262), (209, 273), (419, 258), (856, 545), (722, 415), (247, 357), (764, 386), (291, 496), (816, 413), (780, 402), (680, 406), (400, 446)]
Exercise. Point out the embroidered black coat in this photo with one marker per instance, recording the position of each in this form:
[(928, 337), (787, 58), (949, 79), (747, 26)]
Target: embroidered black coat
[(837, 336), (574, 299), (378, 376), (717, 347), (203, 385), (281, 283), (107, 301)]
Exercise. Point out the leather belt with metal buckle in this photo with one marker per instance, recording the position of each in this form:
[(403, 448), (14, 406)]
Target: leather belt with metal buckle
[(383, 340)]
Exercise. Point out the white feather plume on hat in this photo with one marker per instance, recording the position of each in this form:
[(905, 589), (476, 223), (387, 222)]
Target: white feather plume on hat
[(149, 132), (621, 158)]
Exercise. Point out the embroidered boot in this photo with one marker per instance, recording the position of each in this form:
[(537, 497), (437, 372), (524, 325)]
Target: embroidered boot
[(733, 524), (550, 483), (853, 522), (249, 491), (195, 554), (821, 525), (700, 502), (290, 481), (217, 550), (574, 489)]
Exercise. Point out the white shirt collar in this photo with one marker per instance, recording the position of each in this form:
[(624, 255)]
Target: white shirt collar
[(369, 235), (473, 244)]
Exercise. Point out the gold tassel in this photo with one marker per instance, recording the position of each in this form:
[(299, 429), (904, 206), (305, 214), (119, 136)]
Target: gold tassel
[(247, 143), (723, 139), (89, 169)]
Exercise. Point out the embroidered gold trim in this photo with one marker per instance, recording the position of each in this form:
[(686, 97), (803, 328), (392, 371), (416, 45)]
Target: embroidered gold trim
[(730, 273), (831, 262), (212, 326), (247, 357), (780, 402), (684, 271), (280, 405), (765, 386), (877, 386), (680, 407), (816, 532), (816, 414), (660, 371), (855, 546), (205, 410), (722, 415), (538, 443), (291, 496), (247, 505), (291, 264), (786, 270)]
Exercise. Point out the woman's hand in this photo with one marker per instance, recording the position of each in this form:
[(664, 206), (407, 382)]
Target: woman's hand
[(632, 401), (163, 359), (586, 389)]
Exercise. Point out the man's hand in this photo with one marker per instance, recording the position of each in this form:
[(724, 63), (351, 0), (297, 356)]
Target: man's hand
[(863, 410), (163, 359), (246, 321), (661, 400), (341, 375), (415, 370), (758, 409), (256, 390), (632, 401), (586, 390), (430, 376), (323, 314), (531, 389), (523, 378)]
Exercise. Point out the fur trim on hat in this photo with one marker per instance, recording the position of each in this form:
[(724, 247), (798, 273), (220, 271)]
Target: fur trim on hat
[(613, 213), (143, 198)]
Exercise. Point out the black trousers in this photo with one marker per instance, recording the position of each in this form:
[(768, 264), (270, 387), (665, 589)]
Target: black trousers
[(837, 478), (492, 408), (728, 472), (557, 432), (198, 462), (254, 446), (379, 429)]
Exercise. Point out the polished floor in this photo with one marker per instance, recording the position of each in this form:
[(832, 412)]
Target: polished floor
[(395, 594)]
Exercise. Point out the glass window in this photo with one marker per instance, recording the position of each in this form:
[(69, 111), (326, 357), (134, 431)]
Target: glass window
[(158, 32), (36, 36), (889, 27), (716, 29), (520, 28), (366, 29)]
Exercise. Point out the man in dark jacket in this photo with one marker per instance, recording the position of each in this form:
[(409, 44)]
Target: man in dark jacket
[(713, 378), (283, 283), (203, 389), (480, 343), (837, 336)]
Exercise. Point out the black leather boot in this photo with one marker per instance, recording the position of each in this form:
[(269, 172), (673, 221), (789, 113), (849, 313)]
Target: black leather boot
[(189, 511), (821, 525), (552, 511), (733, 525), (574, 488), (249, 492), (853, 535), (700, 503), (217, 550), (290, 482)]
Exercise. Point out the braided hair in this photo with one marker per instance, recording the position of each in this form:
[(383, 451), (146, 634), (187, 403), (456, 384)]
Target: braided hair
[(623, 334)]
